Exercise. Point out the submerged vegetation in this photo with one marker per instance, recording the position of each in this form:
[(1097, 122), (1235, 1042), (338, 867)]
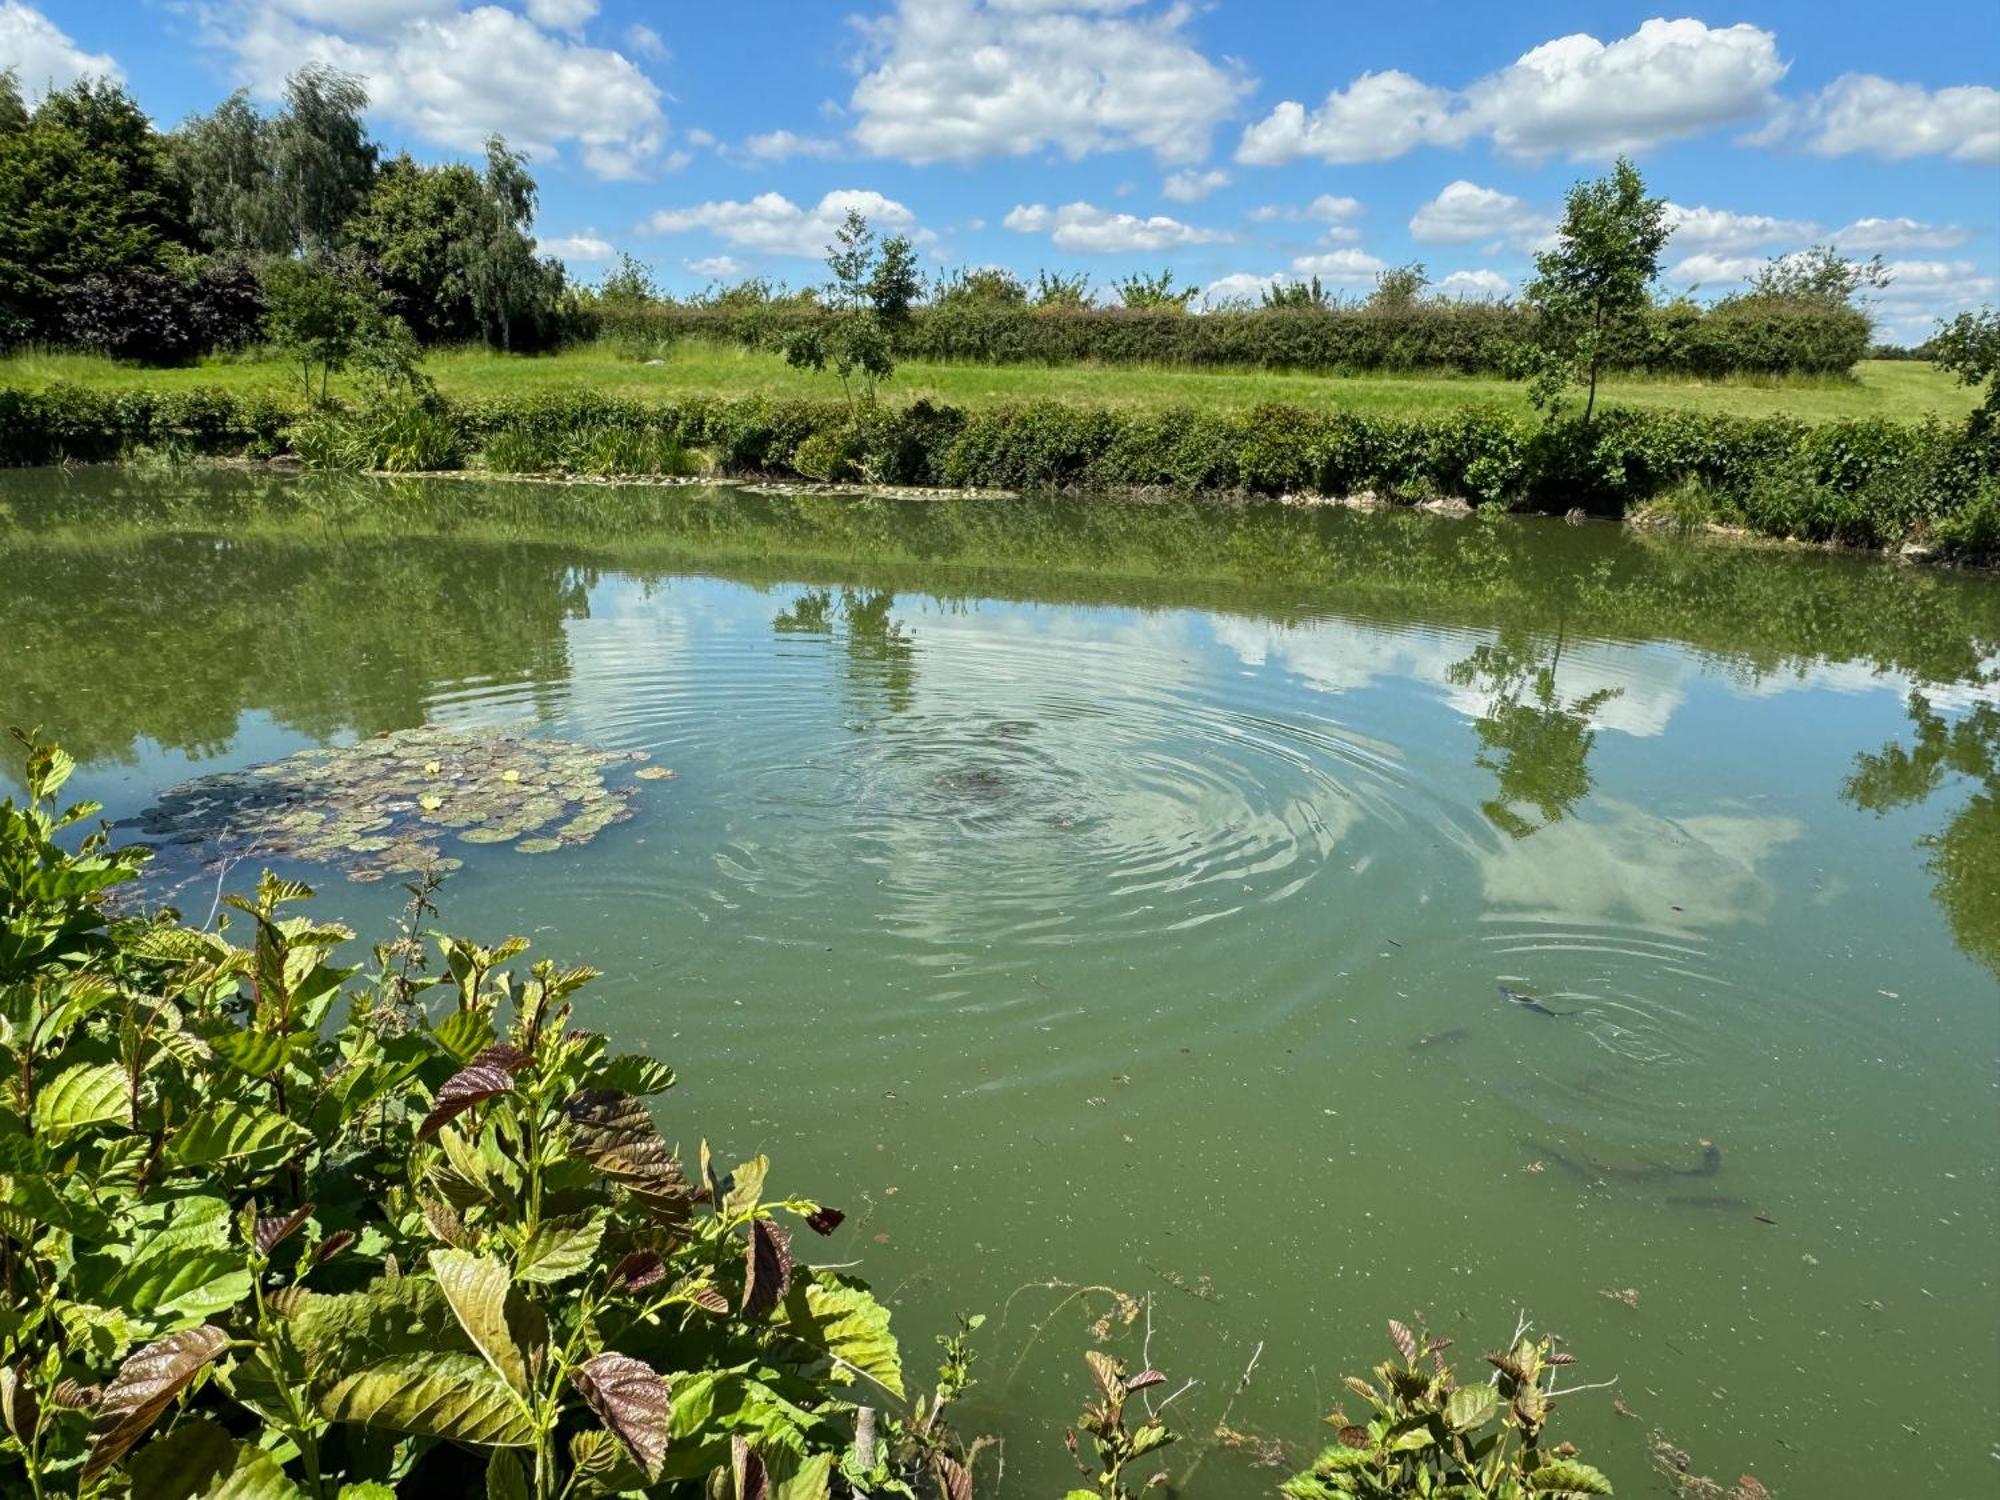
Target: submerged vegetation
[(385, 805)]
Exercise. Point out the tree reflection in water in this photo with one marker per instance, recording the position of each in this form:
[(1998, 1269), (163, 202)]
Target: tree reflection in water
[(1965, 854), (1536, 744)]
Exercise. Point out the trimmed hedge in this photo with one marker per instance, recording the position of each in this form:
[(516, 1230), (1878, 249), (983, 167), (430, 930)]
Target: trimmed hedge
[(1743, 336), (1865, 483)]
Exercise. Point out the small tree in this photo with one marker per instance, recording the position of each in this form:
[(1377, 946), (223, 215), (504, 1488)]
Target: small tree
[(1821, 274), (1297, 296), (319, 317), (872, 291), (1398, 288), (1596, 281), (1969, 347), (983, 286), (1145, 293), (1060, 293)]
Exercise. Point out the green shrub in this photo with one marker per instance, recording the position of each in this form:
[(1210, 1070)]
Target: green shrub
[(275, 1225), (1745, 336)]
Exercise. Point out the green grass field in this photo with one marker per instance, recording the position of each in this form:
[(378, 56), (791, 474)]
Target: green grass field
[(1900, 390)]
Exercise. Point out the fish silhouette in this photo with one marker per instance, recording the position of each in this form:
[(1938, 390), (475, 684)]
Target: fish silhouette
[(1529, 1002)]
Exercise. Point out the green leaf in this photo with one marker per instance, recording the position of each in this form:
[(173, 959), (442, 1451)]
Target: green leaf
[(844, 1320), (175, 1282), (811, 1480), (447, 1395), (502, 1325), (342, 1333), (1565, 1476), (463, 1034), (560, 1248), (505, 1478), (367, 1490), (1471, 1406), (82, 1094), (634, 1073), (199, 1459), (232, 1131), (254, 1053)]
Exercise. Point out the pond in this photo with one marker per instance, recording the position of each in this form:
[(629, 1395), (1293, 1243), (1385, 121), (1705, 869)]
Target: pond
[(1137, 895)]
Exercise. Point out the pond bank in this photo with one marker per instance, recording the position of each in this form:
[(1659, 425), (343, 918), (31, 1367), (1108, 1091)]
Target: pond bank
[(1869, 484)]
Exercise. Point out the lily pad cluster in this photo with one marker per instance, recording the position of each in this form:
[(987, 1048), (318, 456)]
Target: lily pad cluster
[(393, 804)]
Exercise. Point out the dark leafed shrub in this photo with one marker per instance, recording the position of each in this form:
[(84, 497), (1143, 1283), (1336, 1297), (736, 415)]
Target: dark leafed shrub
[(164, 317)]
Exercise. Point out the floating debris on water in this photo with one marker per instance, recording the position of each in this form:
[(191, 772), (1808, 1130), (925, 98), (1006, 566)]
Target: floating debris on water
[(388, 805)]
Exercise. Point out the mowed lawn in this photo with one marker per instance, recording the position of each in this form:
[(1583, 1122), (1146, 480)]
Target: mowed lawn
[(1896, 389)]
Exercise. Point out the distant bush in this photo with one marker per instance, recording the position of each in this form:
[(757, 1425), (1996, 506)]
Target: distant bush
[(1742, 336), (164, 317), (1863, 483)]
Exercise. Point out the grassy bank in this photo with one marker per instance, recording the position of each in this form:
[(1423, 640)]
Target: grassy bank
[(1895, 390)]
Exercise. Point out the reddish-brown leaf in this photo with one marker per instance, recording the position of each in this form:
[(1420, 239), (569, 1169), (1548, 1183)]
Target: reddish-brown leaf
[(631, 1400), (952, 1476), (614, 1132), (145, 1386), (708, 1297), (73, 1397), (332, 1245), (748, 1471), (1405, 1341), (443, 1221), (490, 1073), (825, 1220), (274, 1231), (1144, 1380), (638, 1271), (1356, 1437), (767, 1268)]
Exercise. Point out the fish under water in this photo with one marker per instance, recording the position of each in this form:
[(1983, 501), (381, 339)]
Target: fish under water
[(1529, 1002), (1439, 1039)]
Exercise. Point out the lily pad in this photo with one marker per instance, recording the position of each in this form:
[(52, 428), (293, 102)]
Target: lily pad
[(385, 805)]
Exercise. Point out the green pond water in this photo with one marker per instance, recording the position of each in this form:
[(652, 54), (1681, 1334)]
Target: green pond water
[(1120, 894)]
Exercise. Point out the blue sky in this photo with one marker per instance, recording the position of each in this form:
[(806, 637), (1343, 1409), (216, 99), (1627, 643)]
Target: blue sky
[(1234, 141)]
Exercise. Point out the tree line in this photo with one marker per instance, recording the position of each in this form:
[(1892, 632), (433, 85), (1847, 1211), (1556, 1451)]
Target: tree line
[(159, 246)]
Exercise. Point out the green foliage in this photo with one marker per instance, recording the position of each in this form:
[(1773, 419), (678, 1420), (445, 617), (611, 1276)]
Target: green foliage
[(450, 249), (1296, 296), (1735, 337), (1117, 1441), (871, 294), (319, 316), (269, 1226), (1594, 284), (1144, 292), (1399, 288), (1820, 274), (1055, 290), (1862, 483), (1969, 347), (1423, 1433), (983, 286), (85, 190)]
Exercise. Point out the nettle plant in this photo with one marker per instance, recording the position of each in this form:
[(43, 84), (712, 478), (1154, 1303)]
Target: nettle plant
[(1425, 1434), (275, 1226)]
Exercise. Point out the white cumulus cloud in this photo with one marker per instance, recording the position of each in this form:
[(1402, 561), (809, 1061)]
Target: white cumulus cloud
[(41, 54), (577, 248), (782, 145), (1861, 113), (1464, 212), (455, 76), (1340, 265), (1099, 231), (1191, 186), (560, 15), (1575, 95), (772, 222), (1899, 234), (1722, 229), (1475, 286), (722, 267), (956, 80)]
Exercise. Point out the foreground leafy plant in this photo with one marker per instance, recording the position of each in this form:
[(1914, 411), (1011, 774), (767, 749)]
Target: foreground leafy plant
[(1426, 1434), (439, 1243)]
